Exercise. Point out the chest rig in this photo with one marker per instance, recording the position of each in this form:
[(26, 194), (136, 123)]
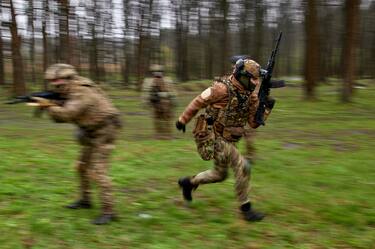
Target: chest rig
[(234, 116)]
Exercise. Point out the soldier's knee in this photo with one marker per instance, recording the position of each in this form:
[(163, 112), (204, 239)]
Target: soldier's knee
[(247, 167), (221, 176)]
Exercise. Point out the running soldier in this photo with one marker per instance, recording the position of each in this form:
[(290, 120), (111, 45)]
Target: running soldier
[(230, 103)]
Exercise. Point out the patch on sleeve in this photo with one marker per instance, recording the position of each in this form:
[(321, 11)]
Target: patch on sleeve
[(206, 93)]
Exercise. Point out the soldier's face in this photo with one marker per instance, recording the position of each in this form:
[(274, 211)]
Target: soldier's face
[(59, 85), (57, 82), (249, 83)]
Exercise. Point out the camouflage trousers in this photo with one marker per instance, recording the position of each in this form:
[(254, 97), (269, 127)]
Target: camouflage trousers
[(227, 155), (163, 120), (93, 164), (249, 136)]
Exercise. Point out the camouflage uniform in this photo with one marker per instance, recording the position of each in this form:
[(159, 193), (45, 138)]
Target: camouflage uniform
[(249, 134), (158, 93), (227, 116), (98, 124), (228, 108)]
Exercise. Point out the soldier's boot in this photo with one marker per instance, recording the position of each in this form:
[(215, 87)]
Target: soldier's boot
[(80, 204), (187, 188), (250, 214), (104, 219)]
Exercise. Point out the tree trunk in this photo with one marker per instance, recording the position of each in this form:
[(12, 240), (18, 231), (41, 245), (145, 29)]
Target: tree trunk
[(93, 55), (141, 61), (64, 51), (45, 40), (2, 76), (349, 50), (19, 87), (126, 45), (224, 6), (311, 49), (209, 48), (32, 44), (258, 35)]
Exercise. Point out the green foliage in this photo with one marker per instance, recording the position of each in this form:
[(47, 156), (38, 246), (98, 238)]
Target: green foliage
[(314, 178)]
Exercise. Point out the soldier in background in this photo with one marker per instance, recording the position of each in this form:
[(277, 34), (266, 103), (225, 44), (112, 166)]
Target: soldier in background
[(98, 123), (230, 103), (159, 94)]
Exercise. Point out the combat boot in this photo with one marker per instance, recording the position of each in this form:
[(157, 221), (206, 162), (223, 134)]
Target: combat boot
[(79, 204), (187, 188), (249, 214), (104, 219)]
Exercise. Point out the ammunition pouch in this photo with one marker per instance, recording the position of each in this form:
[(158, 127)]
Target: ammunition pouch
[(82, 136), (204, 138), (233, 134)]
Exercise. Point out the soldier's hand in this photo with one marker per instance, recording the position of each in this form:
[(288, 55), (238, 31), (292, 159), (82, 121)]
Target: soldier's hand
[(42, 102), (270, 103), (254, 97), (180, 126)]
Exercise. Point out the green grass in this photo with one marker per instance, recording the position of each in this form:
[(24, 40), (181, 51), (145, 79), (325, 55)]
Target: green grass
[(314, 178)]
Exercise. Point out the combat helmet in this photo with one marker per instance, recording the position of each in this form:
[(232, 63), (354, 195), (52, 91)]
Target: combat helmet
[(245, 70), (60, 71), (157, 70)]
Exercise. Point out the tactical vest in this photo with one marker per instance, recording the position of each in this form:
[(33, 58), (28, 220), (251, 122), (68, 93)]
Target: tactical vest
[(230, 120)]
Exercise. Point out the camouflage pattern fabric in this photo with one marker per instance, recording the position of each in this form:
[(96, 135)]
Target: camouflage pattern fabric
[(227, 155), (98, 122), (206, 146), (163, 115), (93, 163), (249, 137), (231, 107), (159, 94)]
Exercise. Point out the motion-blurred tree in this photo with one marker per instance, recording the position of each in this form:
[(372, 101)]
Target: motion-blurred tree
[(311, 50), (19, 86), (31, 28), (2, 71), (45, 16), (350, 47)]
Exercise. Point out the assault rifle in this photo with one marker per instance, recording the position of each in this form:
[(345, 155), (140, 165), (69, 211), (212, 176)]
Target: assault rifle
[(264, 90), (29, 98)]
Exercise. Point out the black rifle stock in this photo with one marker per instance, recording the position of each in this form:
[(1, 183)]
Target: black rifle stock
[(264, 90), (29, 98)]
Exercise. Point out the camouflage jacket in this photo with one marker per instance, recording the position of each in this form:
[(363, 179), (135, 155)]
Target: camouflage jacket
[(86, 105), (216, 99)]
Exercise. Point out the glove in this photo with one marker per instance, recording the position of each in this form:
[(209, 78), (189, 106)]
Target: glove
[(270, 103), (42, 102), (180, 126)]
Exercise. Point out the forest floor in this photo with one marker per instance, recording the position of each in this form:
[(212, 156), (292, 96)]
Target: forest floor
[(314, 178)]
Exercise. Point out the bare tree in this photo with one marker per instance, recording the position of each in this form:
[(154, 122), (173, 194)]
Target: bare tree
[(64, 43), (224, 8), (45, 38), (31, 18), (126, 45), (350, 46), (258, 34), (181, 28), (311, 49), (2, 76), (19, 86)]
